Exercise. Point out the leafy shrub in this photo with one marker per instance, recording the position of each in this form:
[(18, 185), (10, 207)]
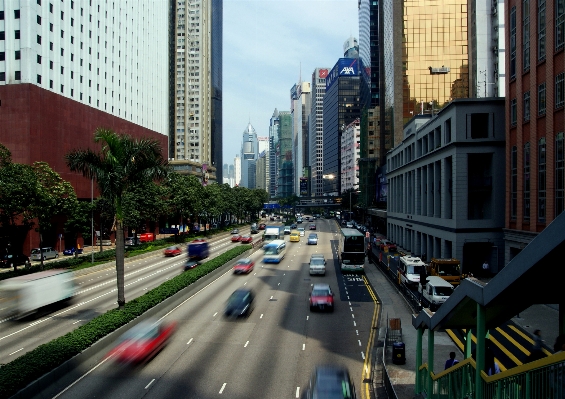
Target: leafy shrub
[(22, 371)]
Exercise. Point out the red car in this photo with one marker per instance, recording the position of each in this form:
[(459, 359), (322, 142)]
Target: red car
[(142, 342), (243, 266), (247, 239), (172, 251), (312, 226), (262, 226), (321, 297), (387, 243), (236, 238)]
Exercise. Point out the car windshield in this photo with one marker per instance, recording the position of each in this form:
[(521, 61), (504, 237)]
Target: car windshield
[(172, 248), (332, 386), (238, 297), (142, 331), (312, 236), (35, 251), (415, 269), (316, 261), (444, 291), (321, 292), (449, 270), (301, 229), (270, 250)]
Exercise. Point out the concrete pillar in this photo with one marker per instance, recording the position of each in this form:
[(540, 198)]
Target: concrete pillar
[(431, 362), (480, 351)]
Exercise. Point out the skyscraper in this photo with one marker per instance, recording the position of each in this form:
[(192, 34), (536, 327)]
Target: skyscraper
[(316, 129), (249, 154), (274, 125), (196, 88), (285, 177)]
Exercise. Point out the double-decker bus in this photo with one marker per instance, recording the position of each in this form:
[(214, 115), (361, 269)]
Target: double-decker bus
[(351, 250)]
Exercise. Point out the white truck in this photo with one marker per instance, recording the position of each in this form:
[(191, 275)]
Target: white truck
[(435, 292), (409, 270), (23, 295)]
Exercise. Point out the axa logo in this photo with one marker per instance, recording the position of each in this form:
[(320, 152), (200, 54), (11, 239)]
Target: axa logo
[(347, 71)]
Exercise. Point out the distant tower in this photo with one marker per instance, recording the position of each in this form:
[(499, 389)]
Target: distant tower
[(249, 155), (237, 170)]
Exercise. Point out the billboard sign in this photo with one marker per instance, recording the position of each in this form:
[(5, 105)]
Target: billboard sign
[(382, 185), (343, 67), (303, 186)]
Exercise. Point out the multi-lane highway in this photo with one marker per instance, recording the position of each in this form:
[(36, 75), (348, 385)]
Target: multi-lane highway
[(96, 294), (270, 354)]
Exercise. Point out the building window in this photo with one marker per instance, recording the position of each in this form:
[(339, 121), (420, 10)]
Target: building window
[(72, 75), (38, 59), (18, 75), (2, 35), (513, 112), (62, 34), (2, 76), (541, 180), (62, 70), (38, 2), (51, 46), (72, 39), (559, 24), (541, 99), (541, 30), (526, 106), (1, 15), (50, 64), (512, 43), (526, 210), (559, 90), (62, 88), (38, 20), (72, 92), (17, 16), (514, 183), (72, 24), (50, 84), (62, 52), (38, 39), (526, 34), (72, 57), (17, 34), (2, 56), (17, 55), (50, 7), (50, 27), (81, 96), (38, 79), (62, 15), (559, 174)]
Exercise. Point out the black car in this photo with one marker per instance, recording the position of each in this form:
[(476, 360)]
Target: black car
[(190, 264), (330, 382), (11, 260), (240, 303)]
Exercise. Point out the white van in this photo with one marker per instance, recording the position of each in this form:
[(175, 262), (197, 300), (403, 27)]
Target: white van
[(274, 251), (436, 292), (409, 270)]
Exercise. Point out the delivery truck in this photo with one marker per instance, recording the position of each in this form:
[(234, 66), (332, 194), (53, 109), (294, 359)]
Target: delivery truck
[(273, 233), (23, 295), (198, 249)]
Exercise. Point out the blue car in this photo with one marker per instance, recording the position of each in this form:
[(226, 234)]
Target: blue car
[(72, 251), (313, 239)]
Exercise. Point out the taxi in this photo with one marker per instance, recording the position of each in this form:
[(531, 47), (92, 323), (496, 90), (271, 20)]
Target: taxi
[(294, 236)]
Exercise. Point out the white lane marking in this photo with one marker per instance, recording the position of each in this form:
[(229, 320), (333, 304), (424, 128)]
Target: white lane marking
[(279, 284), (307, 317), (215, 314), (81, 377), (357, 332), (284, 274), (261, 316), (222, 389), (359, 342), (363, 355), (245, 283), (254, 273), (297, 392), (303, 346), (189, 341), (271, 297), (247, 343), (78, 321), (351, 309), (347, 297), (21, 349), (147, 386), (352, 315), (354, 324), (349, 303)]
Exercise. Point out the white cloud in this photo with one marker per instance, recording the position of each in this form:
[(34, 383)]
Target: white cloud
[(267, 45)]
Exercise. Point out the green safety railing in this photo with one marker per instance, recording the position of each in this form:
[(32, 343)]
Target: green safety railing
[(541, 379)]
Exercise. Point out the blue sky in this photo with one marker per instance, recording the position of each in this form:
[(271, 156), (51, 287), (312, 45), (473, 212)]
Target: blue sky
[(268, 45)]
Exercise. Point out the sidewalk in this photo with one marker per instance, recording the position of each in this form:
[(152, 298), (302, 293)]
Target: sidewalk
[(393, 305)]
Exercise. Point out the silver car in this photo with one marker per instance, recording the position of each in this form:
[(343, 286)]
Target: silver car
[(45, 252)]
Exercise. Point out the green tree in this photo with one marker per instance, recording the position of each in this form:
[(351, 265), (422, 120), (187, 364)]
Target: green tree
[(122, 162), (185, 194), (146, 202), (79, 220)]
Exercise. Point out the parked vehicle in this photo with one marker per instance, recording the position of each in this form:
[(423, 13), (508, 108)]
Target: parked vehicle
[(409, 270), (198, 249), (447, 269), (11, 260), (72, 251), (23, 295), (45, 253), (435, 292), (146, 237)]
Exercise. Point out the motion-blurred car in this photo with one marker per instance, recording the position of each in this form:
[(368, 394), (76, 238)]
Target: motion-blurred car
[(246, 239), (72, 251), (236, 238), (301, 231), (11, 260), (330, 382), (293, 226), (262, 226), (240, 303), (321, 297), (254, 229), (172, 251), (142, 342), (190, 264), (235, 231), (313, 239), (242, 266), (312, 226), (286, 229)]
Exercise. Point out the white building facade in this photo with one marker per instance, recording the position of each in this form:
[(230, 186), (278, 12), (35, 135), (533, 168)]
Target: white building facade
[(350, 151), (316, 129)]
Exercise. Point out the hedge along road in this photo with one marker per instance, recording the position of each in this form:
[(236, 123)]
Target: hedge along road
[(96, 294)]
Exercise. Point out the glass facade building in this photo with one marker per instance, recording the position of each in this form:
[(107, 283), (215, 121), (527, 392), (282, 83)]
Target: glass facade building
[(286, 168)]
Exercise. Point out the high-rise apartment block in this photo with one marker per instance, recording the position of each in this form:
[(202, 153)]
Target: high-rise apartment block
[(274, 125), (285, 166), (196, 84), (316, 130)]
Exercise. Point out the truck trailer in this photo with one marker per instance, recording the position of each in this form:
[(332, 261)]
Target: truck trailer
[(23, 295), (198, 249)]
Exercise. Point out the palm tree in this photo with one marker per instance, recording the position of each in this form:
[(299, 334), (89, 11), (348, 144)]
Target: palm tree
[(122, 162)]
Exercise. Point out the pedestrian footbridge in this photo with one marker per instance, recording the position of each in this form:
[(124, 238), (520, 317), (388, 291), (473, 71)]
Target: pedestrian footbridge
[(535, 276)]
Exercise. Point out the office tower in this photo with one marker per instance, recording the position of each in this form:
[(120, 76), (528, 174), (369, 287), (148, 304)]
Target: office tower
[(249, 154), (316, 129), (535, 91), (342, 106), (237, 170), (350, 156), (351, 48), (273, 144), (300, 109), (369, 46), (196, 84), (68, 68), (285, 166), (261, 171)]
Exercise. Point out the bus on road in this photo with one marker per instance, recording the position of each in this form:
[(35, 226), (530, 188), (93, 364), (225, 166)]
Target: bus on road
[(351, 250), (274, 251)]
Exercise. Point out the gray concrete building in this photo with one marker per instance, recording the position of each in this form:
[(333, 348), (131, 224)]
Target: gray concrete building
[(446, 182)]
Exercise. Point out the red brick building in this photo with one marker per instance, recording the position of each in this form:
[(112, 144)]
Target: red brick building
[(40, 125), (535, 112)]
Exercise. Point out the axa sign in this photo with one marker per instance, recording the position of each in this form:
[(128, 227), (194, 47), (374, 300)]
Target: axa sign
[(347, 71), (344, 67)]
